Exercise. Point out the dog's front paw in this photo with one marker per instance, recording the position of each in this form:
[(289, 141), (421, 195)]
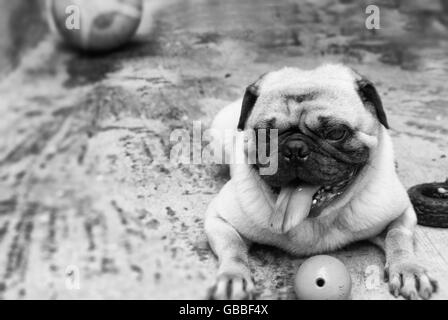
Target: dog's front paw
[(410, 279), (232, 287)]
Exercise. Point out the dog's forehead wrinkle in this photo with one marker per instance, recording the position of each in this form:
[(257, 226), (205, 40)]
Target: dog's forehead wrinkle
[(302, 97), (331, 121), (334, 94)]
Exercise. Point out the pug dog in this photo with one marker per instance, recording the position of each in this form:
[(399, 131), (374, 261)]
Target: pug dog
[(334, 181)]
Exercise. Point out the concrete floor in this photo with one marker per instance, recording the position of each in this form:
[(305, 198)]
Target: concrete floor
[(90, 205)]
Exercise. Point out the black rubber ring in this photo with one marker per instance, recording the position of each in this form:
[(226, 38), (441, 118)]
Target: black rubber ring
[(431, 205)]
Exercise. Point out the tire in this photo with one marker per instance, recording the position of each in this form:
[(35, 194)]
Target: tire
[(430, 205)]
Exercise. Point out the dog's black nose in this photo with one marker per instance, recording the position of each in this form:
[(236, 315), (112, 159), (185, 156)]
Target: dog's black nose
[(296, 150)]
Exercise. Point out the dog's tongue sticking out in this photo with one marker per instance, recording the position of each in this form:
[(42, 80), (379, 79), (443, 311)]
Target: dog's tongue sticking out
[(292, 207)]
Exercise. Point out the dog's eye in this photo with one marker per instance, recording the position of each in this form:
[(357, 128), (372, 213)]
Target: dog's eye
[(336, 134)]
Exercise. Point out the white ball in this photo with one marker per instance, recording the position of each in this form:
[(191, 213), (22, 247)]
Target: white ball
[(322, 277), (97, 24)]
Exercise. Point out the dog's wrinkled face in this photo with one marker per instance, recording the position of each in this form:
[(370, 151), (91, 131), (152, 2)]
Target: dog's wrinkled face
[(327, 121)]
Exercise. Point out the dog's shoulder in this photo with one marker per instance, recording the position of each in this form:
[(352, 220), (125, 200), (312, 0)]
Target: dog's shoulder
[(227, 117)]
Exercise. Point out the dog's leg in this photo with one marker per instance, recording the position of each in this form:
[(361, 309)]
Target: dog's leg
[(406, 276), (234, 280)]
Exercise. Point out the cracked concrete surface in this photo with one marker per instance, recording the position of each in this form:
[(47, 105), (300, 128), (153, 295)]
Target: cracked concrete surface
[(87, 190)]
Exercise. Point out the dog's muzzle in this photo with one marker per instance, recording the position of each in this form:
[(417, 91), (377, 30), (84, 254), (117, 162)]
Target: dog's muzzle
[(295, 150)]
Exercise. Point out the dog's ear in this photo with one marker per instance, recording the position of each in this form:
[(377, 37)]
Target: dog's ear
[(250, 97), (372, 100)]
